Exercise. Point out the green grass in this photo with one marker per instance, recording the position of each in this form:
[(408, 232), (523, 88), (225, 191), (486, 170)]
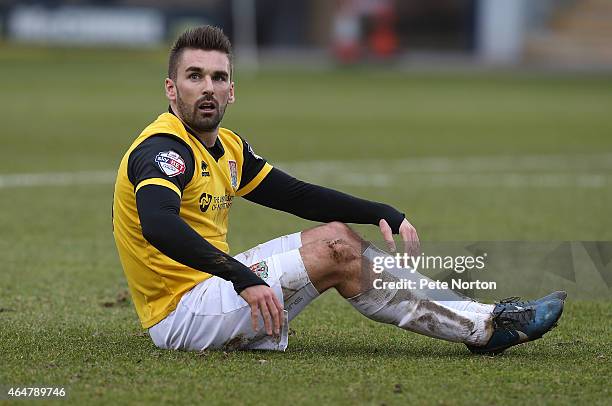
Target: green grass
[(63, 324)]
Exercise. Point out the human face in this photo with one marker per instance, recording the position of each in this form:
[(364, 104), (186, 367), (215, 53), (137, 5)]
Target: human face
[(202, 89)]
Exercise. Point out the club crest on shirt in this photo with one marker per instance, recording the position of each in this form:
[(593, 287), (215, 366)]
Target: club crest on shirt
[(233, 173), (260, 269), (170, 163)]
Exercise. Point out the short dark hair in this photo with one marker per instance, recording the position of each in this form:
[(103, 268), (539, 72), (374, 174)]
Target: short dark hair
[(207, 38)]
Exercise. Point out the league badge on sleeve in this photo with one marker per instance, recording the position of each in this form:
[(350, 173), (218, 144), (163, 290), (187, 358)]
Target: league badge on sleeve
[(233, 173), (170, 163)]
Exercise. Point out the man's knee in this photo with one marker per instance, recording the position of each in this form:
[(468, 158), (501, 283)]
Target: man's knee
[(340, 252), (331, 263), (338, 230), (332, 231), (330, 255), (344, 263)]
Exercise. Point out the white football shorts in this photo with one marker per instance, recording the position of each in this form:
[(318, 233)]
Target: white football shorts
[(213, 316)]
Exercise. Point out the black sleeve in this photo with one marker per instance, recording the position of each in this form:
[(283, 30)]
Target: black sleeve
[(158, 210), (283, 192), (161, 156), (251, 165)]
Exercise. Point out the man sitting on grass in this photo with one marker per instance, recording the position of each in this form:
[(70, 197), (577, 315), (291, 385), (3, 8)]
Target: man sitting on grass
[(174, 190)]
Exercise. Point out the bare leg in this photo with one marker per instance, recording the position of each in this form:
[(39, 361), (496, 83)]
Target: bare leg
[(332, 257)]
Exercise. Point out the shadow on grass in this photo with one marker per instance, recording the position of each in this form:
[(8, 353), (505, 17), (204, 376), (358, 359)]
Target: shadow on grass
[(133, 343), (386, 350), (353, 348)]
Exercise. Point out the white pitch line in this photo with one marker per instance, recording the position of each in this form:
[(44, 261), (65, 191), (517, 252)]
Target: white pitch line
[(467, 180), (489, 163), (42, 179), (546, 171)]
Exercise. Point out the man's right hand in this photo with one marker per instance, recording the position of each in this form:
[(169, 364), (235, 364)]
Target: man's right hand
[(262, 300)]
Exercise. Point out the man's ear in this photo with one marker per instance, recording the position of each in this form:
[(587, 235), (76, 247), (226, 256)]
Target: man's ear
[(170, 89), (232, 95)]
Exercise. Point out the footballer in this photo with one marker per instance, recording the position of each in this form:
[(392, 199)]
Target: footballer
[(174, 191)]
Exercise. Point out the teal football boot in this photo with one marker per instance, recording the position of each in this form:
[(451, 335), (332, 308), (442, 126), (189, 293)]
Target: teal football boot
[(516, 322)]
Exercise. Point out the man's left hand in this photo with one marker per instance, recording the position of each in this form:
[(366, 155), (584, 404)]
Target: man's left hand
[(408, 234)]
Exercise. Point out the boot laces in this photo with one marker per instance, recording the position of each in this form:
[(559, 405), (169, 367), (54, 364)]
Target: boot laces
[(513, 314)]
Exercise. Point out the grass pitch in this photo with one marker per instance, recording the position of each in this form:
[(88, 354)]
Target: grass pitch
[(466, 156)]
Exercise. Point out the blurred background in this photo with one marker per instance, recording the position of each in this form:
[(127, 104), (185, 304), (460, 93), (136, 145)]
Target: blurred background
[(544, 32)]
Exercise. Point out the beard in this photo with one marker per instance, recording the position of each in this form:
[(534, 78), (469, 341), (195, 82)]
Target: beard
[(195, 119)]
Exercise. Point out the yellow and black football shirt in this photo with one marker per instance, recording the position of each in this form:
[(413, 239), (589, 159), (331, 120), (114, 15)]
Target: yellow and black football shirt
[(206, 180)]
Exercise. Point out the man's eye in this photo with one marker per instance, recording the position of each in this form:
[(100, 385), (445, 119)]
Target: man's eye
[(194, 76), (219, 78)]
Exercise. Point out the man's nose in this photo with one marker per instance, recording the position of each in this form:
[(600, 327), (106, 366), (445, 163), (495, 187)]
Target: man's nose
[(208, 85)]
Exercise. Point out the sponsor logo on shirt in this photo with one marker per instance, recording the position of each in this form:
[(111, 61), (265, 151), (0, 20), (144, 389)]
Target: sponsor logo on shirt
[(215, 202), (170, 163), (205, 201)]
